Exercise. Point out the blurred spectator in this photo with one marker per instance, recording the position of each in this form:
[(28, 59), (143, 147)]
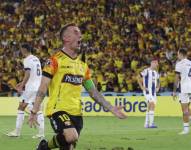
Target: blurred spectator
[(119, 36)]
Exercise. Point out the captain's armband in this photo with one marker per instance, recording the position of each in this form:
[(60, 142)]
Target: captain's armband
[(88, 84)]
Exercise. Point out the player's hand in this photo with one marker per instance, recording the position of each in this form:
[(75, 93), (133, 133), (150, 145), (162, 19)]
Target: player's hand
[(117, 111), (32, 120), (174, 96)]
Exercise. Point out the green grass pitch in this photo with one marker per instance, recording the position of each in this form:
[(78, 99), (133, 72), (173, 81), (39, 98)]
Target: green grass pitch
[(107, 133)]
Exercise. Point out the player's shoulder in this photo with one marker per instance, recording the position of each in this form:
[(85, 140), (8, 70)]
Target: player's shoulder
[(33, 58), (188, 61), (57, 53), (145, 69), (178, 63), (28, 58), (183, 62)]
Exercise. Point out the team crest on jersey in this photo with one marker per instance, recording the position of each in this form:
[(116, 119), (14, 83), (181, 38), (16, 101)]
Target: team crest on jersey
[(73, 79)]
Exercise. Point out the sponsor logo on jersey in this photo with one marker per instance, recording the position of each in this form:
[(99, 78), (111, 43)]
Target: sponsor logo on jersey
[(73, 79)]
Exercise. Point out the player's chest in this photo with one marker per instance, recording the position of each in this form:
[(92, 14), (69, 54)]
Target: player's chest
[(152, 76), (71, 67)]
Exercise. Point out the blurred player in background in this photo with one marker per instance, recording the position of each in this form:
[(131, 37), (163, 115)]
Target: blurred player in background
[(148, 81), (64, 74), (29, 87), (183, 75)]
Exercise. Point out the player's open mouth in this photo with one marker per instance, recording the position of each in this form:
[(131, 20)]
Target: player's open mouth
[(79, 42)]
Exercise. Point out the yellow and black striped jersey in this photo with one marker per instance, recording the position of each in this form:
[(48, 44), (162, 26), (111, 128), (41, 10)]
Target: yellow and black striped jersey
[(67, 76)]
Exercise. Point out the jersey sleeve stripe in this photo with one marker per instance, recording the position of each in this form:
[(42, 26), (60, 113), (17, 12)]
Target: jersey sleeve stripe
[(87, 74), (54, 64), (46, 74), (177, 72), (27, 69)]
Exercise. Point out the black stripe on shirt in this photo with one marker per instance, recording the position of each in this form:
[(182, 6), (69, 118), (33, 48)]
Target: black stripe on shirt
[(46, 74), (177, 72), (27, 69)]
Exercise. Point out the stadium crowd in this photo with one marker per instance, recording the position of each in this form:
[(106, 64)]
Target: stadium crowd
[(120, 37)]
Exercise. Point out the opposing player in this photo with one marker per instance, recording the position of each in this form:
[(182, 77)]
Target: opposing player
[(183, 75), (148, 81), (65, 74), (28, 87)]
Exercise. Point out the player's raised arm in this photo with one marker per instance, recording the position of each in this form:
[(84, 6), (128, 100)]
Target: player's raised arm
[(96, 96)]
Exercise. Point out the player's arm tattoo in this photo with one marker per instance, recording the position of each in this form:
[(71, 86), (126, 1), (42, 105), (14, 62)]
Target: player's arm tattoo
[(41, 94), (96, 96), (43, 88)]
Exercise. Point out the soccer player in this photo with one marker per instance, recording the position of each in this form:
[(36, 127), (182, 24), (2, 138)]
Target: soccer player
[(65, 74), (148, 81), (183, 75), (29, 87)]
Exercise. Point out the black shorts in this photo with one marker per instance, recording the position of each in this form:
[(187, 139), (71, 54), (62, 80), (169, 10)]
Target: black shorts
[(62, 120)]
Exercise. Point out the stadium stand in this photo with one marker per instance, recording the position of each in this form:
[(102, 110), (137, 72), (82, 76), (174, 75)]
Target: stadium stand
[(119, 37)]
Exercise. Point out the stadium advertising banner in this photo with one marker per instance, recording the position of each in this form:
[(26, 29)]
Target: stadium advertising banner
[(133, 106)]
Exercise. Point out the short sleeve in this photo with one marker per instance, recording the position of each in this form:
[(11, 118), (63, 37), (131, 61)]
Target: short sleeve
[(143, 73), (178, 68), (87, 73), (27, 64), (50, 67)]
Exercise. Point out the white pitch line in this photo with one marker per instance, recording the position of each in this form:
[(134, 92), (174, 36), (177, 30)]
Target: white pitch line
[(4, 132)]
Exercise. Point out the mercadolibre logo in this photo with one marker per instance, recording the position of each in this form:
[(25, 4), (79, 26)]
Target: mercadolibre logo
[(129, 106)]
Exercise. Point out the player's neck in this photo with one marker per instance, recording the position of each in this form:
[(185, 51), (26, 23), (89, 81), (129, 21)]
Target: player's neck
[(152, 68), (27, 54), (69, 52), (182, 58)]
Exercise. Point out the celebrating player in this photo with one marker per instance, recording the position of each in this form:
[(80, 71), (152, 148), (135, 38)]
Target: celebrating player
[(183, 75), (29, 87), (148, 81), (64, 74)]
